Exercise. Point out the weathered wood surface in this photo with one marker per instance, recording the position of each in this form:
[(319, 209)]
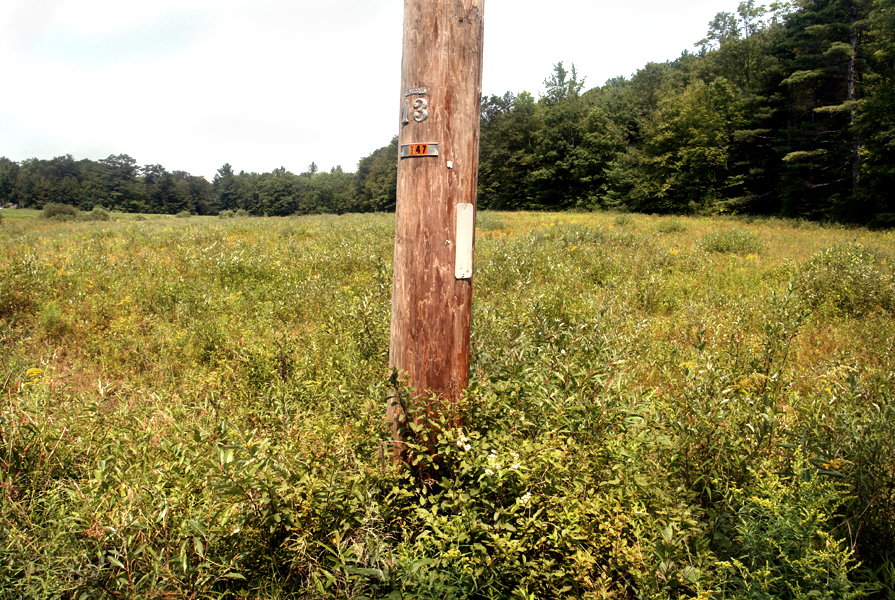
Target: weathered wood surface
[(430, 307)]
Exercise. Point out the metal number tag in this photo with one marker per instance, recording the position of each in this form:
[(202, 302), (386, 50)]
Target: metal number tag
[(419, 106), (414, 150)]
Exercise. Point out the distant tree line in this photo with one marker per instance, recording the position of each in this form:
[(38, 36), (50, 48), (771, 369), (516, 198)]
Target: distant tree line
[(118, 183), (787, 110)]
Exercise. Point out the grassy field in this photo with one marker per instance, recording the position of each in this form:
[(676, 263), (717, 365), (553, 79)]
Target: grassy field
[(660, 408), (22, 213)]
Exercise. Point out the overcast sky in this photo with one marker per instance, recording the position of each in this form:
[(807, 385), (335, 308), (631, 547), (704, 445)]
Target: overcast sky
[(260, 84)]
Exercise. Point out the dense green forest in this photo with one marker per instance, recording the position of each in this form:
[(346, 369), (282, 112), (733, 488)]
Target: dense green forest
[(787, 110), (118, 183)]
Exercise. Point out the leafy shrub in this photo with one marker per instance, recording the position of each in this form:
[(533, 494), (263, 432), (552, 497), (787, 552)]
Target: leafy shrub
[(242, 212), (789, 546), (51, 318), (671, 226), (60, 212), (658, 293), (225, 214), (623, 220), (731, 241), (863, 436), (97, 214), (20, 287), (531, 514), (848, 280), (184, 214)]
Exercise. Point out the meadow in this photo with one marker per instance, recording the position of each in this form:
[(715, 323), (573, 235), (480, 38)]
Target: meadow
[(659, 407)]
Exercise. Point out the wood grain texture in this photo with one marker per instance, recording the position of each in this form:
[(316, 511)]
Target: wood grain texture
[(430, 324)]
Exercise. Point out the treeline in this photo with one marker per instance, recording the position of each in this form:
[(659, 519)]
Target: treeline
[(784, 111), (118, 183), (787, 111)]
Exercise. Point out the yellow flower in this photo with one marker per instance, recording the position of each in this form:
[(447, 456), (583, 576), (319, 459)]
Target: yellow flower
[(673, 252)]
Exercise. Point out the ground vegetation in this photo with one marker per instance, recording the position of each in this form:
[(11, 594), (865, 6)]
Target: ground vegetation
[(660, 407)]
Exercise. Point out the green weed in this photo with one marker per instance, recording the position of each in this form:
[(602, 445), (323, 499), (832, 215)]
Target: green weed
[(195, 408), (623, 220), (790, 548), (671, 226), (487, 221), (848, 280), (731, 241)]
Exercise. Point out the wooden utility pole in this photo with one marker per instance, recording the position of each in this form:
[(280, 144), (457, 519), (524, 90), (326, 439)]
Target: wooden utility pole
[(440, 102)]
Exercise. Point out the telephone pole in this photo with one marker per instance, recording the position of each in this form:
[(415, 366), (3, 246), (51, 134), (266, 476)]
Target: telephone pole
[(440, 102)]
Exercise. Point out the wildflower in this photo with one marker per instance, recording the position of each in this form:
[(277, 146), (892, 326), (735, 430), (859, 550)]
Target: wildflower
[(492, 458), (673, 252), (524, 500), (489, 472)]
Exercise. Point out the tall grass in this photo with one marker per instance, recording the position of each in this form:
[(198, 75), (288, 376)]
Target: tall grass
[(194, 408)]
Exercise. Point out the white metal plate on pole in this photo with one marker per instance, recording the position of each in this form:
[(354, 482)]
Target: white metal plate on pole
[(465, 237)]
